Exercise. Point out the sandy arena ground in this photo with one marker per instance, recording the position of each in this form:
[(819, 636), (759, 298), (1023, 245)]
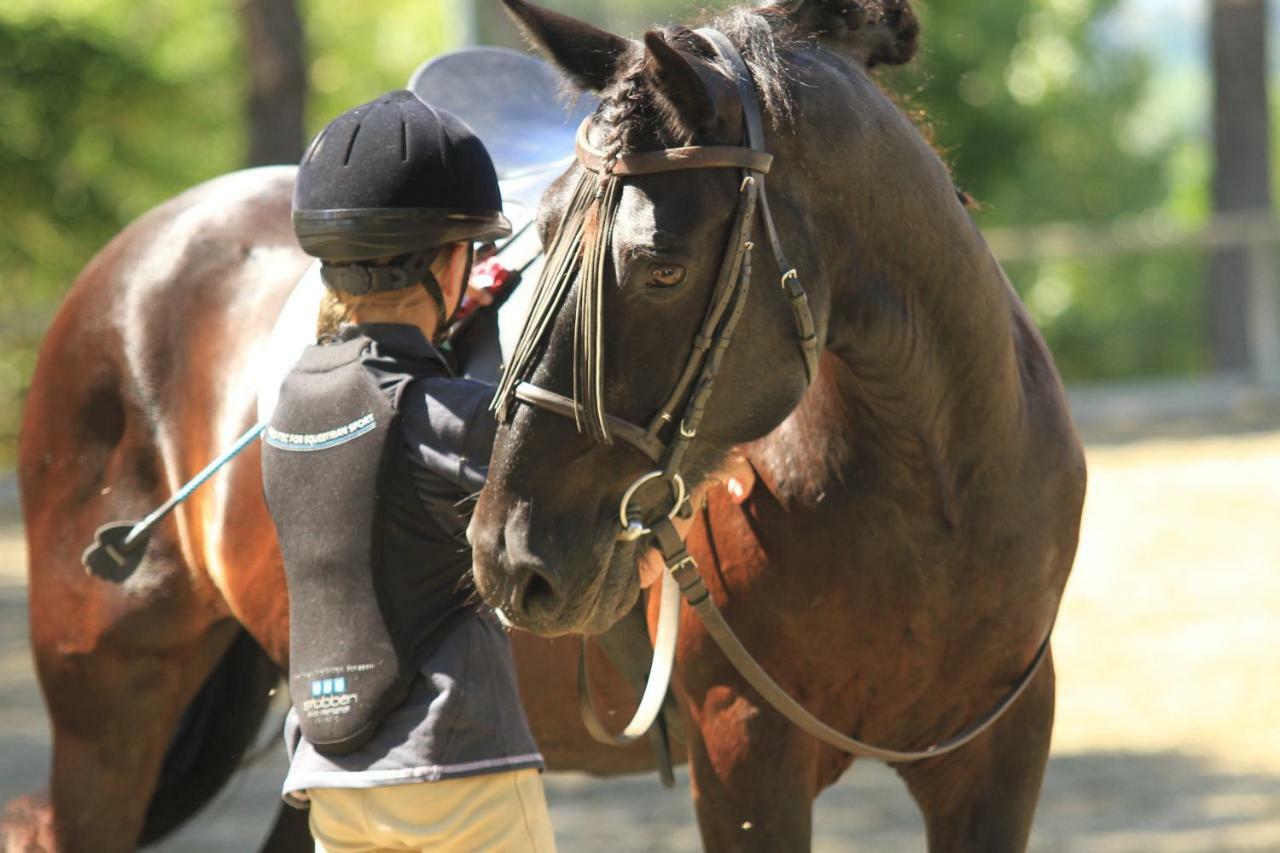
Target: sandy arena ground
[(1168, 652)]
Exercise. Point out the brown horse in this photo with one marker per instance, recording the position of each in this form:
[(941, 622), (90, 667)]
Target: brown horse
[(895, 567), (903, 559), (156, 686)]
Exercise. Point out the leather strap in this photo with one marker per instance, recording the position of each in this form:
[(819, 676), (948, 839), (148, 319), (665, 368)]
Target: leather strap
[(685, 570), (754, 120), (671, 159), (565, 407)]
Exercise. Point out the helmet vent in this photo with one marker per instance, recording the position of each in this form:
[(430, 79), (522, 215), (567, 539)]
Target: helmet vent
[(404, 142), (346, 160)]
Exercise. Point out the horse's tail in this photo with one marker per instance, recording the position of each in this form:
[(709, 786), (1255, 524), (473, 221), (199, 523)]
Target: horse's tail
[(214, 736)]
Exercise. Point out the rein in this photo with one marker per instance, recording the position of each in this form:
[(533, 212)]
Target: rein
[(576, 253)]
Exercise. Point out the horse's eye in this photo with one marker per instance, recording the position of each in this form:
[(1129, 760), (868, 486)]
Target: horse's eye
[(666, 275)]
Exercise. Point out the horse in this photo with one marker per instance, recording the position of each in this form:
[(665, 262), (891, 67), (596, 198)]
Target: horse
[(913, 523), (900, 564), (156, 687)]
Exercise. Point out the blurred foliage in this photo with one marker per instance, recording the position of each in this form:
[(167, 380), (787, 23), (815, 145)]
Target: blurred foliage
[(1043, 121), (111, 106)]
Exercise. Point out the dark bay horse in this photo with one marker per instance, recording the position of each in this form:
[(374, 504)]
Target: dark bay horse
[(895, 567), (918, 511)]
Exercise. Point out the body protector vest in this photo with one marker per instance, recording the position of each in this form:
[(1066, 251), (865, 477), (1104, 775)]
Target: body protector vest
[(358, 542)]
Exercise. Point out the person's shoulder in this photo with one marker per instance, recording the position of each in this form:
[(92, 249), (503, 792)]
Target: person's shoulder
[(448, 411), (449, 428), (450, 394)]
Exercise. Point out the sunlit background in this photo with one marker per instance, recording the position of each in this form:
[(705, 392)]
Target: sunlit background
[(1084, 130), (1085, 111)]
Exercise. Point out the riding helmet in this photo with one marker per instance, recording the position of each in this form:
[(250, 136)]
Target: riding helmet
[(393, 178)]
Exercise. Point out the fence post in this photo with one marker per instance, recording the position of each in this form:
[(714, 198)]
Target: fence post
[(1264, 337)]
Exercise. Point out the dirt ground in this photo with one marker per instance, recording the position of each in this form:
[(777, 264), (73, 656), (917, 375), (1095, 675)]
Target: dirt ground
[(1168, 651)]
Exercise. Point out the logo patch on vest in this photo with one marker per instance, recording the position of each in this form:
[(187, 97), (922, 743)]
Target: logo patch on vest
[(329, 698), (321, 440)]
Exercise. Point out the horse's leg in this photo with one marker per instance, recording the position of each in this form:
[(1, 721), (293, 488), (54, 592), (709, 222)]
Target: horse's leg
[(754, 775), (114, 703), (117, 663), (983, 797), (290, 833)]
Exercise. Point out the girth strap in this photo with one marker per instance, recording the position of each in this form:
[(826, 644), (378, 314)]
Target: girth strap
[(685, 570)]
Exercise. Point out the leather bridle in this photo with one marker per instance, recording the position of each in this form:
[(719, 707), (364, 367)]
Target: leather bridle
[(696, 380), (693, 389)]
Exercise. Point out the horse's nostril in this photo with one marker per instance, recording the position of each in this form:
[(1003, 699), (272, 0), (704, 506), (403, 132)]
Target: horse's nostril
[(537, 597)]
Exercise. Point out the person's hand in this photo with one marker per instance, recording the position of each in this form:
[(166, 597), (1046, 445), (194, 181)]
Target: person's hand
[(479, 295), (737, 477), (482, 279)]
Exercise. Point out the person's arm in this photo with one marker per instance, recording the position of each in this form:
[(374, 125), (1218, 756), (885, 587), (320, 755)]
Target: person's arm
[(449, 429)]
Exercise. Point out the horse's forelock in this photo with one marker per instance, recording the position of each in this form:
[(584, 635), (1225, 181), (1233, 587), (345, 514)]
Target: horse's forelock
[(636, 115)]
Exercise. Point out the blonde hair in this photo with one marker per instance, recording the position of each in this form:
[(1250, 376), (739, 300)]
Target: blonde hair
[(337, 307)]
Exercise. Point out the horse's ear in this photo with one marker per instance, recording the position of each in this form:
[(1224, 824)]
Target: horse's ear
[(671, 73), (876, 32), (590, 56)]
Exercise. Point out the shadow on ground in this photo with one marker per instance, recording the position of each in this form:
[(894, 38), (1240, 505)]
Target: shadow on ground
[(1093, 801)]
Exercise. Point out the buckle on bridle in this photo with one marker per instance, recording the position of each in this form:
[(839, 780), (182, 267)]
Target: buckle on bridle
[(632, 527), (687, 562)]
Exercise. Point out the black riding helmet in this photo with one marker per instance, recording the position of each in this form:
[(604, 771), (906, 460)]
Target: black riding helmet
[(394, 178)]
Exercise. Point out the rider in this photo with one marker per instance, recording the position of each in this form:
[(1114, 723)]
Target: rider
[(407, 730)]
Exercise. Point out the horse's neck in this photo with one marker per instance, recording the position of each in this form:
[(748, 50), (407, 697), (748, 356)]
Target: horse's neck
[(922, 381)]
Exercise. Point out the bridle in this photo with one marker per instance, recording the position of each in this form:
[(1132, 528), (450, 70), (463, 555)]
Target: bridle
[(697, 379), (693, 389)]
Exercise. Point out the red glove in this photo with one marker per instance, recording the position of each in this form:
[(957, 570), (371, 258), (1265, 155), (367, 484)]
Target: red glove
[(490, 281)]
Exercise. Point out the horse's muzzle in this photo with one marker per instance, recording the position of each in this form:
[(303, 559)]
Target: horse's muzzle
[(545, 589)]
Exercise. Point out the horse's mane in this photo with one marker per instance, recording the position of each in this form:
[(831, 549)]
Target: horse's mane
[(638, 117), (762, 35)]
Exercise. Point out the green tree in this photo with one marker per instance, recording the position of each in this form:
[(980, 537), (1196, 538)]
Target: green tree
[(112, 106), (1042, 120)]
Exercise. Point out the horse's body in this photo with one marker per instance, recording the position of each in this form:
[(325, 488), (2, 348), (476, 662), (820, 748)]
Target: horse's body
[(918, 511), (895, 567), (146, 373)]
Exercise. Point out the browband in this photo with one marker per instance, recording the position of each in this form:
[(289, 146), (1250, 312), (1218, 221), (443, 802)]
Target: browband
[(672, 159)]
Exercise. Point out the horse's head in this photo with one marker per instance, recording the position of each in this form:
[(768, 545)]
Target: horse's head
[(638, 261)]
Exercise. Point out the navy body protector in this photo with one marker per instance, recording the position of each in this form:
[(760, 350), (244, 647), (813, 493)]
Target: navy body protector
[(368, 600)]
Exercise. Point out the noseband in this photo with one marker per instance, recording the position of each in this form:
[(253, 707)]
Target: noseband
[(733, 282), (693, 388)]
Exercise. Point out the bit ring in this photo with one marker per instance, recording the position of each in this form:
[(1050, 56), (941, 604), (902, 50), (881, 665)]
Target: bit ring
[(633, 528)]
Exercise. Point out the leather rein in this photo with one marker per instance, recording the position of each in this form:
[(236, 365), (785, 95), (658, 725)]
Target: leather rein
[(694, 389)]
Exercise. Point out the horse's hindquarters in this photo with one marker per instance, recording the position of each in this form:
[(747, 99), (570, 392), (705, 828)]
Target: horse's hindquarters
[(129, 400)]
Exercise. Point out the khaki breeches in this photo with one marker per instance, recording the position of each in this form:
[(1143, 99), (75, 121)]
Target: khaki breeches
[(496, 811)]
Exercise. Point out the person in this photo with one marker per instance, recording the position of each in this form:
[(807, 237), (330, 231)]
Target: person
[(406, 731)]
